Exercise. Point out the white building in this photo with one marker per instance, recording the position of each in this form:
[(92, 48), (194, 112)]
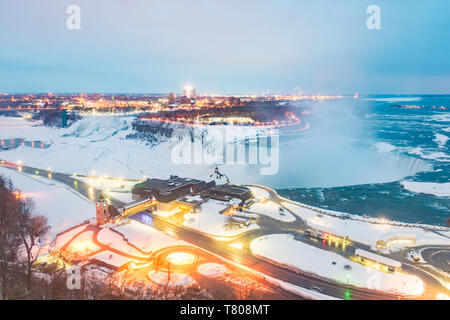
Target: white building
[(189, 92)]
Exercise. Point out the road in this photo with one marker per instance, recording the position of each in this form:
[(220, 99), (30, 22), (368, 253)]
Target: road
[(438, 257), (301, 279)]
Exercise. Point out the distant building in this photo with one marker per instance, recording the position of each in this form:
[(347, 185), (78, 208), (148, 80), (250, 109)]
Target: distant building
[(171, 98), (166, 192), (189, 92), (184, 192), (101, 208), (226, 192), (63, 118)]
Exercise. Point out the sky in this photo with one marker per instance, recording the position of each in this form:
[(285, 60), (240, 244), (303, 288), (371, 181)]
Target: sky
[(225, 46)]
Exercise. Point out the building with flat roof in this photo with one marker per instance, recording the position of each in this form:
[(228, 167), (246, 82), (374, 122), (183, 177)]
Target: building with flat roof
[(167, 191), (189, 193), (226, 192)]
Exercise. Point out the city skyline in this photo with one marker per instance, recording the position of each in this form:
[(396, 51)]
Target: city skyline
[(248, 48)]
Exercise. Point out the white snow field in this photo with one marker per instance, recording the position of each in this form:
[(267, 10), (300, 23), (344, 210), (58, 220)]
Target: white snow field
[(211, 222), (103, 183), (283, 249), (125, 197), (112, 259), (116, 241), (362, 230), (260, 194), (272, 210), (437, 189), (98, 143), (63, 238), (176, 279), (145, 237), (166, 214), (212, 270), (62, 207)]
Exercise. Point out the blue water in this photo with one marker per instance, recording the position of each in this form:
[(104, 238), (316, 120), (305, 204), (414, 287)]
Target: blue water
[(412, 154)]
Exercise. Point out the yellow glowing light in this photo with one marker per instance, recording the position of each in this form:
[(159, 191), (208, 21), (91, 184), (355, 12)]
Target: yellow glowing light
[(236, 245), (181, 258), (82, 247), (133, 265), (170, 233), (442, 296)]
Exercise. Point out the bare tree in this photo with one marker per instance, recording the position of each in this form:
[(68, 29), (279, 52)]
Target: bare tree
[(33, 231), (9, 237)]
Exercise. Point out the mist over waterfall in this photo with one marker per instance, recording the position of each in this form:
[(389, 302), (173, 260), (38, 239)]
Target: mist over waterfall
[(337, 150), (305, 164)]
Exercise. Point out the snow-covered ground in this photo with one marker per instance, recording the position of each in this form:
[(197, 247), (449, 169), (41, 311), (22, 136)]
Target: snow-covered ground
[(326, 264), (145, 237), (98, 144), (437, 189), (111, 258), (63, 238), (125, 197), (63, 207), (176, 279), (166, 214), (364, 231), (271, 209), (117, 241), (83, 245), (113, 185), (212, 270), (93, 144), (210, 221), (259, 194)]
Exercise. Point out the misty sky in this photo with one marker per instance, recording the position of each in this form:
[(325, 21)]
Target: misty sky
[(225, 46)]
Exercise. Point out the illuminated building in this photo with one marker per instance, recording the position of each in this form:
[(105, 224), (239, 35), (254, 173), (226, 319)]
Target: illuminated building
[(177, 191), (104, 211), (189, 92)]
